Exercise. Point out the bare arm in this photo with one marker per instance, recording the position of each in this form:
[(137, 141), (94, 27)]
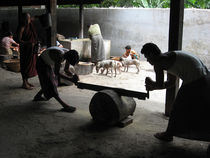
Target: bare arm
[(14, 43), (159, 83), (170, 81), (74, 78), (124, 55)]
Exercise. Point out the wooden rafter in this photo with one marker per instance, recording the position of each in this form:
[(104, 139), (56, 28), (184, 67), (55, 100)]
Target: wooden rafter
[(43, 2)]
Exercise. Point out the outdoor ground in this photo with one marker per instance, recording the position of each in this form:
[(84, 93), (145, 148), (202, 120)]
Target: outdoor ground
[(40, 130)]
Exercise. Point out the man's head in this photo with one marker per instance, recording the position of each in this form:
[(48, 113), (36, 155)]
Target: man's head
[(128, 48), (72, 57), (25, 19), (151, 52), (9, 34), (88, 26)]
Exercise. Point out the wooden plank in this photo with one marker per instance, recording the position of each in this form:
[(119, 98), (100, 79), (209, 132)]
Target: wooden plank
[(120, 91), (127, 121)]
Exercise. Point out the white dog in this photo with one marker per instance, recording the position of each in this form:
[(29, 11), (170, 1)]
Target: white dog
[(109, 64), (117, 66), (126, 62)]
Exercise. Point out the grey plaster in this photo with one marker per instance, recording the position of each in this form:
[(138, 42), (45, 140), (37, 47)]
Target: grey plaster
[(134, 26)]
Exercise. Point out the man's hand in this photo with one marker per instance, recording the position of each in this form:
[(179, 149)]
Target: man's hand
[(42, 50), (75, 78), (67, 72)]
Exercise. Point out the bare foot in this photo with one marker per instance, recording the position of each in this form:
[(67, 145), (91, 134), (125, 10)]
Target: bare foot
[(26, 86), (61, 84), (31, 85), (39, 98), (68, 109), (164, 136)]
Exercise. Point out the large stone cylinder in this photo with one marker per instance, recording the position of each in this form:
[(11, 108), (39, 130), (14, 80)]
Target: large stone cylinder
[(107, 107)]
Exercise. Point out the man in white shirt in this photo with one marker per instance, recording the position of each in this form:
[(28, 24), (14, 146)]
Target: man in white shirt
[(191, 108)]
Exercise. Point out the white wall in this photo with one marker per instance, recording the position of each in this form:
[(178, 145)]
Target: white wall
[(134, 26), (121, 26), (196, 33), (137, 26)]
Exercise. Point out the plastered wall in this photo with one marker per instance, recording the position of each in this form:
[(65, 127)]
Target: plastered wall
[(133, 26)]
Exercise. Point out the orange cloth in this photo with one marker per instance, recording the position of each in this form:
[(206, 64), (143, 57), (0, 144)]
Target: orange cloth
[(116, 58)]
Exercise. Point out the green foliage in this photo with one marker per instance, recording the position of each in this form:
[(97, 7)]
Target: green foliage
[(203, 4), (152, 3), (114, 3), (68, 6)]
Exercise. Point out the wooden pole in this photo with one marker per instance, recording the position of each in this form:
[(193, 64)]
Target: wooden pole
[(52, 30), (81, 21), (20, 11), (53, 6), (175, 43)]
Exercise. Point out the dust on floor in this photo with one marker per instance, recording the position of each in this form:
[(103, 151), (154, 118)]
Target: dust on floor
[(40, 130)]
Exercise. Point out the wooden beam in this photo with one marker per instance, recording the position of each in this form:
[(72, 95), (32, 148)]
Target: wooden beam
[(63, 2), (44, 2), (120, 91), (22, 2), (175, 43)]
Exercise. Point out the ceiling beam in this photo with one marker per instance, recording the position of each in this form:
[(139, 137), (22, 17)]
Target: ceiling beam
[(44, 2), (79, 1)]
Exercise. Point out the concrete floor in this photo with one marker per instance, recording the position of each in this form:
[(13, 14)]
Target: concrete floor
[(39, 130)]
